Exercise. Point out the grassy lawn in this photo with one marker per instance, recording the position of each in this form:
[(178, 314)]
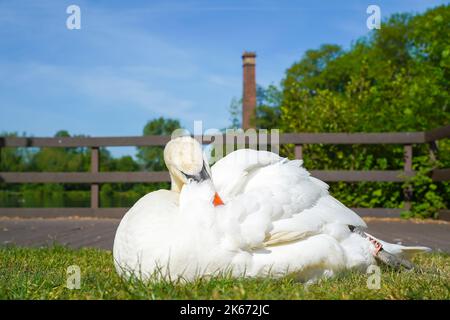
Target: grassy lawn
[(27, 273)]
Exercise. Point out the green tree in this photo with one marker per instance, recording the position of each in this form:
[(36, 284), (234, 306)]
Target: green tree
[(268, 112), (394, 80), (151, 158)]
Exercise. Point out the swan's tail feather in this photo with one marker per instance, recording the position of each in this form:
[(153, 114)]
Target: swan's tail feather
[(393, 255)]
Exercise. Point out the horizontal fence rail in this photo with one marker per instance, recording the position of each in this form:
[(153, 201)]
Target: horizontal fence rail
[(353, 138), (84, 177), (95, 178), (285, 138), (163, 176), (437, 134), (149, 177)]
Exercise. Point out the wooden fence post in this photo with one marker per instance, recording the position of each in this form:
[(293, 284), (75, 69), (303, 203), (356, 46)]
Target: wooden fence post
[(407, 168), (298, 151), (94, 169)]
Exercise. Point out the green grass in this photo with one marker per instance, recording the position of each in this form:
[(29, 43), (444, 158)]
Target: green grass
[(27, 273)]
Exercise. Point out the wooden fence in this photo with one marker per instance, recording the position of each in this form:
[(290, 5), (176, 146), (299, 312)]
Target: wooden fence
[(94, 177)]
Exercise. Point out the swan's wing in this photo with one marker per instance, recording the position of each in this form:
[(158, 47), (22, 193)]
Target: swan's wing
[(327, 211), (282, 203), (231, 173), (293, 190), (258, 219)]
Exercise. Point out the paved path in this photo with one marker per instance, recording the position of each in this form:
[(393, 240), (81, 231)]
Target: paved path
[(99, 233)]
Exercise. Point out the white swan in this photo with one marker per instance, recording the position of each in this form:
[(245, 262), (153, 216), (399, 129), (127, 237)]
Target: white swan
[(276, 219)]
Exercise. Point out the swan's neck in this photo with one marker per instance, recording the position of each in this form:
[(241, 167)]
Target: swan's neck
[(175, 183)]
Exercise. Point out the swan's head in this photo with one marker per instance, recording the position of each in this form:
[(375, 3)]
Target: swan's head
[(186, 162)]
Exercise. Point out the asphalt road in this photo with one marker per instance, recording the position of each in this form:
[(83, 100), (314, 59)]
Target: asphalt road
[(99, 233)]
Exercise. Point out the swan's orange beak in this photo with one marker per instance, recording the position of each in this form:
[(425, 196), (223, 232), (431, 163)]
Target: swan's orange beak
[(217, 200)]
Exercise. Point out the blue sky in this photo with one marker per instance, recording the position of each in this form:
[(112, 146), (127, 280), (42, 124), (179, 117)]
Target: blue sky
[(136, 60)]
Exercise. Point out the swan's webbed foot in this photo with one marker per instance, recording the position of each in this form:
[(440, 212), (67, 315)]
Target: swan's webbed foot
[(393, 261), (383, 255)]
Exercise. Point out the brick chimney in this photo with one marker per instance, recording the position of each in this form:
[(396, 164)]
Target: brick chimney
[(249, 89)]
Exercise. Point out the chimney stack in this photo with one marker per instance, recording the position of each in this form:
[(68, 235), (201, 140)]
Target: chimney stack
[(249, 89)]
